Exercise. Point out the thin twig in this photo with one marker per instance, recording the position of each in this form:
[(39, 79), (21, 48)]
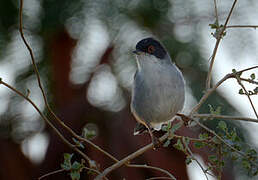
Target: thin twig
[(220, 162), (154, 168), (51, 173), (31, 53), (46, 119), (94, 170), (247, 69), (128, 158), (208, 81), (249, 80), (225, 117), (43, 92), (246, 93), (242, 26), (220, 138), (208, 93), (192, 157), (155, 178), (216, 11)]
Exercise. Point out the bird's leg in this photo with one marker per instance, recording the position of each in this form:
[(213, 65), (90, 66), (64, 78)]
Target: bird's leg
[(155, 141)]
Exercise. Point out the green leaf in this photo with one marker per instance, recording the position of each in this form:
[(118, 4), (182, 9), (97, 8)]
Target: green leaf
[(75, 175), (212, 158), (76, 166), (66, 165), (252, 76), (175, 127), (211, 108), (246, 164), (166, 127), (256, 90), (68, 157), (222, 125), (89, 133), (241, 91), (166, 144), (203, 136), (198, 144), (179, 145), (234, 70)]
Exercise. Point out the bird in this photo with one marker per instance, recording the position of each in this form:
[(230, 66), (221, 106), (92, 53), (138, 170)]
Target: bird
[(158, 90)]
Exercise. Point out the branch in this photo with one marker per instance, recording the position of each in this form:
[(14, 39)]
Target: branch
[(155, 168), (220, 138), (246, 93), (154, 178), (208, 93), (46, 119), (242, 26), (216, 11), (128, 158), (249, 80), (44, 95), (51, 173), (225, 117), (192, 157), (208, 81)]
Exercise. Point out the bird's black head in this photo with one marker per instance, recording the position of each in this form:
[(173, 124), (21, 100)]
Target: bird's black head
[(151, 46)]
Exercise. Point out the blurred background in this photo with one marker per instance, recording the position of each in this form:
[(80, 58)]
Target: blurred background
[(83, 51)]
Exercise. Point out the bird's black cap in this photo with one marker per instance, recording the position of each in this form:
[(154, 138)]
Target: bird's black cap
[(151, 46)]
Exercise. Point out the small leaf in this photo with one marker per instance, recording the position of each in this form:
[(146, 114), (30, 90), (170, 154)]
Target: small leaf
[(89, 133), (203, 136), (234, 157), (222, 125), (76, 166), (166, 144), (212, 158), (211, 109), (252, 76), (246, 164), (234, 71), (241, 91), (68, 157), (75, 175), (256, 90), (176, 127), (66, 167), (179, 145), (198, 144)]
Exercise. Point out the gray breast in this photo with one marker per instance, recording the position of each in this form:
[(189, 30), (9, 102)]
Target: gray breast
[(158, 92)]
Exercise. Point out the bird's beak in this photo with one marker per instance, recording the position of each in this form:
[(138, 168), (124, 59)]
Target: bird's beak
[(137, 52)]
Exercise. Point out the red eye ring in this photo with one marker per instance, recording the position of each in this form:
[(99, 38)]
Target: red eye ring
[(151, 49)]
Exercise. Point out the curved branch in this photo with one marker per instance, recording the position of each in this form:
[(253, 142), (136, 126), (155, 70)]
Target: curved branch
[(128, 158), (208, 81), (225, 117)]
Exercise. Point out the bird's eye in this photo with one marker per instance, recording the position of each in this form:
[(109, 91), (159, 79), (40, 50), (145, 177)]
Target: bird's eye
[(151, 49)]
